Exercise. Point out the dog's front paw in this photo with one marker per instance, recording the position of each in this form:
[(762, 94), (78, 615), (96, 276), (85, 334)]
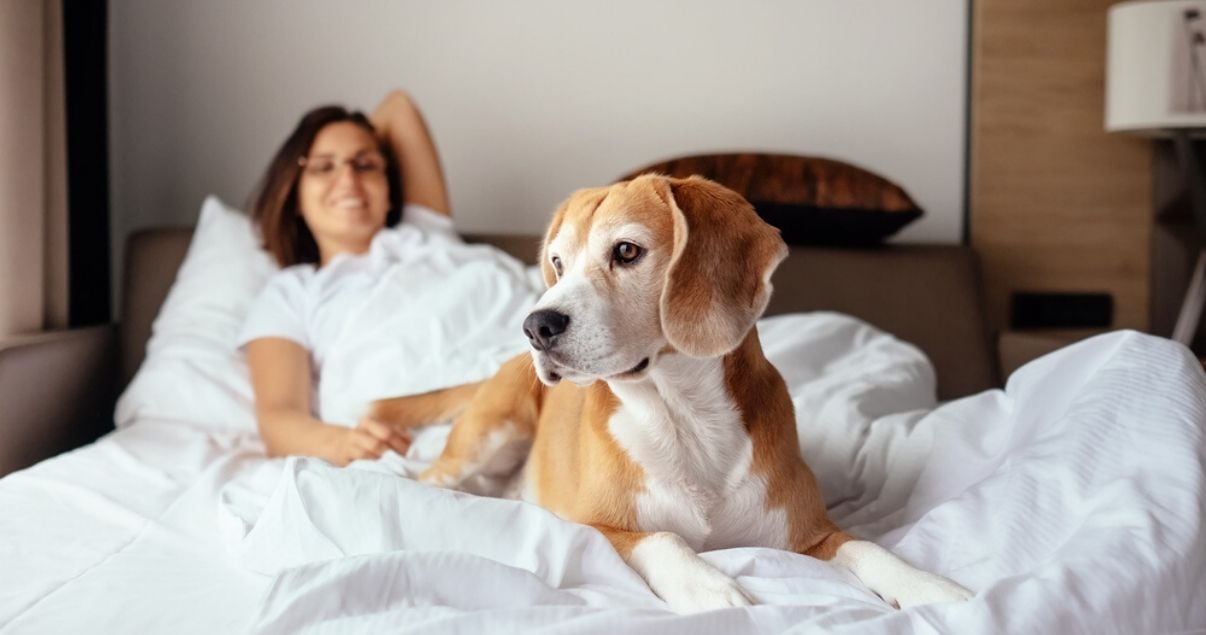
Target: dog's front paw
[(680, 577), (893, 579), (928, 588), (704, 592)]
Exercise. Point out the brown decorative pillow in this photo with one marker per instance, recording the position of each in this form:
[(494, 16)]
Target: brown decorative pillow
[(812, 201)]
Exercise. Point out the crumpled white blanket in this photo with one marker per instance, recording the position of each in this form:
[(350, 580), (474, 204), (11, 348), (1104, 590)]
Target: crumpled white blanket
[(1070, 502)]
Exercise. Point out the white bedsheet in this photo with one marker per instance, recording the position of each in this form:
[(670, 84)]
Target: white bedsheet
[(121, 536), (1070, 502)]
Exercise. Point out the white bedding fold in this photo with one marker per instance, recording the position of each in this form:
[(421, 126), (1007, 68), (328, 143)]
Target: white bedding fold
[(121, 536)]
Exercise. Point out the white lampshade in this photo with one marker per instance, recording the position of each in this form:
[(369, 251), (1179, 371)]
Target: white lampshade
[(1156, 66)]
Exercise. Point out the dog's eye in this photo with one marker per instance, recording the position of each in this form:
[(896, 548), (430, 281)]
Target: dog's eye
[(626, 253), (556, 265)]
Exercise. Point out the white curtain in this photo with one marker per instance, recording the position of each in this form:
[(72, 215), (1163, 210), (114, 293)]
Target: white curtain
[(33, 219)]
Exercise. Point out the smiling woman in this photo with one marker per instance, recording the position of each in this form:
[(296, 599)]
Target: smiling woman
[(344, 208), (336, 182), (295, 206)]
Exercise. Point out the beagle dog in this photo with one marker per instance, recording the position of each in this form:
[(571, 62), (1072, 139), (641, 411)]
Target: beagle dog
[(646, 408)]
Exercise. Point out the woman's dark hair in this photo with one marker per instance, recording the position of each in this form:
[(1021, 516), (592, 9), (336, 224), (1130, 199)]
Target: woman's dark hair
[(275, 208)]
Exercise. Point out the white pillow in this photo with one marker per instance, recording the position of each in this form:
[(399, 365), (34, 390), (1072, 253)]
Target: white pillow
[(193, 370)]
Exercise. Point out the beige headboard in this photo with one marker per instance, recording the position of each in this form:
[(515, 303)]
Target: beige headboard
[(927, 295)]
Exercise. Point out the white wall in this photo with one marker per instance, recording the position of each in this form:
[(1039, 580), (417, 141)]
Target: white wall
[(530, 99)]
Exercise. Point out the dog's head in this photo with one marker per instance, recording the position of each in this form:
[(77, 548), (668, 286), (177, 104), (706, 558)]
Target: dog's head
[(645, 267)]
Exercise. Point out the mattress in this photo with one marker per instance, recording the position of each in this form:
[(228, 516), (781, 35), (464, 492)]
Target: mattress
[(1071, 501)]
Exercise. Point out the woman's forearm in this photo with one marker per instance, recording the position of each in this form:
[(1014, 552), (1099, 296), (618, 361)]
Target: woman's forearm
[(293, 432)]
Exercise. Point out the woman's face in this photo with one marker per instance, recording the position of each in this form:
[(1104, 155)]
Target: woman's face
[(343, 192)]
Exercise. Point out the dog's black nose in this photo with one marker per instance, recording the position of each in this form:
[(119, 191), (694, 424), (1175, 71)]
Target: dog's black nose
[(542, 328)]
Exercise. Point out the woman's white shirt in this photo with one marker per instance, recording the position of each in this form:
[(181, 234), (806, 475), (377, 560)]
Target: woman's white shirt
[(420, 310)]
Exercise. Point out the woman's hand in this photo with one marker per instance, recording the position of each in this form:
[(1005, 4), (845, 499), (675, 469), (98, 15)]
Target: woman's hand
[(395, 101), (368, 440), (280, 377)]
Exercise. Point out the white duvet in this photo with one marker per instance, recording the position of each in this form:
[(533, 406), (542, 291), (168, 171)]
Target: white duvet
[(1070, 502)]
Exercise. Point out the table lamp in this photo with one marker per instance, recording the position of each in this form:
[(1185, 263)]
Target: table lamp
[(1156, 87)]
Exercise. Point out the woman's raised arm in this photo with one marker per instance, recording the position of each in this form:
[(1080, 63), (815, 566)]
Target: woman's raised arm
[(399, 121)]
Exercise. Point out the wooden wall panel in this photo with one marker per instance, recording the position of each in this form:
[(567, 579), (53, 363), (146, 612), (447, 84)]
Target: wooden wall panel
[(1056, 203)]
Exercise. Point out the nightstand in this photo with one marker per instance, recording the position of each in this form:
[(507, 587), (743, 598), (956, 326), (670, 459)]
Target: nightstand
[(1016, 348)]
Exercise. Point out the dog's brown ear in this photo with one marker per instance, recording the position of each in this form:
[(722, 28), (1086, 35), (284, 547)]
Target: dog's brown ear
[(718, 280), (590, 197)]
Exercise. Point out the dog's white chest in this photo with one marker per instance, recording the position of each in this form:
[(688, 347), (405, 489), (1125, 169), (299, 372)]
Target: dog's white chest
[(696, 456)]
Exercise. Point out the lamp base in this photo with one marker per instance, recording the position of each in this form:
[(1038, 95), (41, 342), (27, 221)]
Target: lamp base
[(1191, 307), (1195, 295)]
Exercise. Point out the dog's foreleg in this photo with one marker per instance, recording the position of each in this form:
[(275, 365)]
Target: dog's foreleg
[(415, 411), (491, 438), (674, 571), (482, 451), (896, 581)]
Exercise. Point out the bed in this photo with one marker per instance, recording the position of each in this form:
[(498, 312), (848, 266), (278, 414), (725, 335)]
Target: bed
[(1070, 500)]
